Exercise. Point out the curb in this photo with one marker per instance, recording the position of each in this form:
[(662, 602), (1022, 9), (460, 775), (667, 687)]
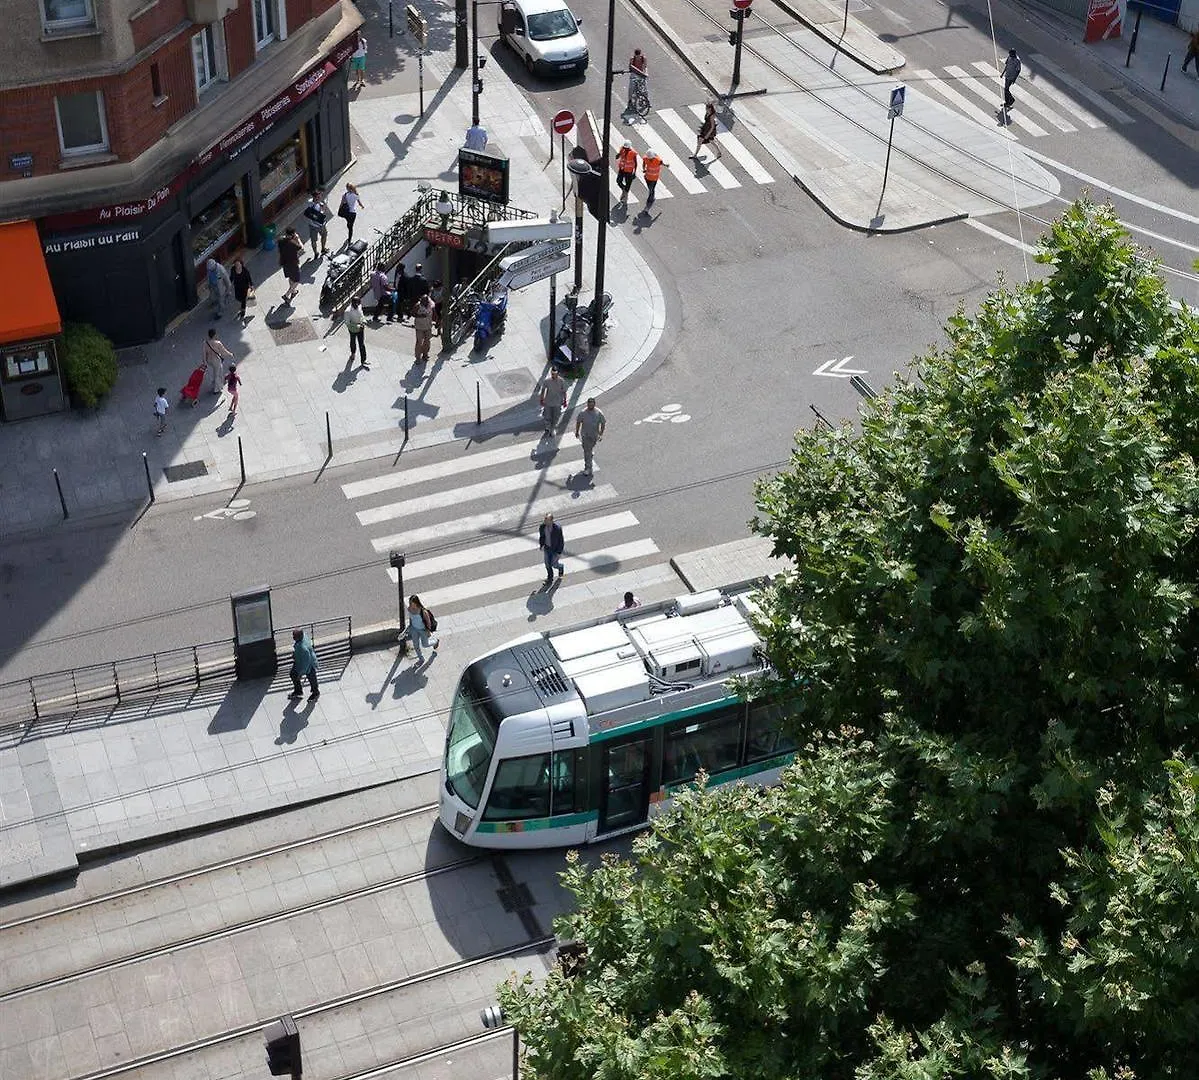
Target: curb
[(836, 42), (867, 229), (665, 31)]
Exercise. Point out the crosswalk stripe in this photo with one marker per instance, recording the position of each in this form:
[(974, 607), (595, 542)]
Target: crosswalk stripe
[(491, 519), (1079, 88), (737, 149), (680, 170), (927, 79), (516, 545), (662, 191), (419, 475), (438, 500), (603, 559), (969, 82), (718, 171), (1027, 100)]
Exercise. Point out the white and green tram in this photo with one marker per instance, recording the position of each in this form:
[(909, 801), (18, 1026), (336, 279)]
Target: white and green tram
[(567, 737)]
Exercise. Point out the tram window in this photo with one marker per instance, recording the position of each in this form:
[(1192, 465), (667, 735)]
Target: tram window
[(765, 737), (568, 782), (709, 742), (521, 789), (468, 749)]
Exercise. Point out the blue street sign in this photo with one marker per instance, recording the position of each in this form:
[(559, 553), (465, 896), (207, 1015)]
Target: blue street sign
[(897, 96)]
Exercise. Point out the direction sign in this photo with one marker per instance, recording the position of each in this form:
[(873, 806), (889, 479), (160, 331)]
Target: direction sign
[(536, 253), (564, 121), (742, 4), (519, 279), (897, 96), (417, 26)]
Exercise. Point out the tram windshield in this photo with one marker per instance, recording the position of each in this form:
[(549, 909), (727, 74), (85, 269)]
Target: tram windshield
[(468, 749)]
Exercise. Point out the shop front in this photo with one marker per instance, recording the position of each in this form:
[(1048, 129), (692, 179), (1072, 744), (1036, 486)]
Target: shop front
[(130, 269), (30, 328)]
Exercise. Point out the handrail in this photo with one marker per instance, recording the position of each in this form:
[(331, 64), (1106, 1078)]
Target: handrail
[(453, 326), (96, 687)]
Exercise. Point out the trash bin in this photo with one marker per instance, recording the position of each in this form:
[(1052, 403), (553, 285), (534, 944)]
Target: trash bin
[(268, 237)]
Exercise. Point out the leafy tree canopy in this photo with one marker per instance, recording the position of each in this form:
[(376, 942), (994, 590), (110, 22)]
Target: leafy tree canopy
[(985, 859)]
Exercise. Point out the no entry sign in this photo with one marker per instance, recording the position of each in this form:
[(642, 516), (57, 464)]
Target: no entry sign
[(742, 4), (564, 121)]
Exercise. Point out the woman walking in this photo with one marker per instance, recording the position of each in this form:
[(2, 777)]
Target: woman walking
[(421, 622), (351, 203), (707, 132), (358, 63), (243, 285), (291, 247), (233, 385)]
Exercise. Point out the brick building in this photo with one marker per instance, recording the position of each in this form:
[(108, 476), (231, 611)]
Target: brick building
[(143, 136)]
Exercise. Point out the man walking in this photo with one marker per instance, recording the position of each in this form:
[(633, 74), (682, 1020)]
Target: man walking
[(626, 170), (215, 355), (220, 287), (589, 429), (1011, 72), (1192, 51), (552, 544), (355, 320), (651, 167), (553, 401), (303, 665), (476, 137), (422, 320), (317, 215)]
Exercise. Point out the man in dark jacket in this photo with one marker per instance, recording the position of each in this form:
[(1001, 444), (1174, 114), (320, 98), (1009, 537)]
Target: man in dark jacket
[(552, 544), (303, 663)]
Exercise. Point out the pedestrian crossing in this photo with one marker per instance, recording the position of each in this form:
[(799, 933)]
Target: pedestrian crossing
[(1042, 107), (468, 523), (672, 133)]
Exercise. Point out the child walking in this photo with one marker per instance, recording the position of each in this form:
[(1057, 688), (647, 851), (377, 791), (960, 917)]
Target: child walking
[(160, 409), (233, 384)]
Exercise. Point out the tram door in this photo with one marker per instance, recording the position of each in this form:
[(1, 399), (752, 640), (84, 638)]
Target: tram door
[(625, 799)]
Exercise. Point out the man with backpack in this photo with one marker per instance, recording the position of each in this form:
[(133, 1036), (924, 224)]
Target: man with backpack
[(1011, 72)]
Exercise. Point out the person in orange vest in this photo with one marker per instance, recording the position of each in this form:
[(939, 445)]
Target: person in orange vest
[(651, 169), (626, 170)]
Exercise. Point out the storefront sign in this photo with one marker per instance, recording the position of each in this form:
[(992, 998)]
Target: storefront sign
[(20, 162), (67, 244), (442, 238), (483, 175)]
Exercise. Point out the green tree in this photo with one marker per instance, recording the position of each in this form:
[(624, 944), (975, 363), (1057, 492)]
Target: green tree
[(89, 363), (983, 862)]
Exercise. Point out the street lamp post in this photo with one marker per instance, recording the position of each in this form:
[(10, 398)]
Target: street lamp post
[(578, 166), (474, 62), (601, 238), (396, 560)]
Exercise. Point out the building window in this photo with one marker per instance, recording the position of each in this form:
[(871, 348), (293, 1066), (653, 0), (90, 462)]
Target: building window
[(266, 23), (64, 14), (207, 57), (81, 126)]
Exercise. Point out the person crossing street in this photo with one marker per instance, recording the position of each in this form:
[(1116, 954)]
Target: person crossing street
[(1011, 72), (626, 170), (552, 543), (553, 401), (589, 429), (651, 170)]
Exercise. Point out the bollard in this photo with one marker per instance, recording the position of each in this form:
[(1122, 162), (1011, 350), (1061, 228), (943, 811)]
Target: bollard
[(1166, 72), (329, 432), (478, 404), (1132, 44), (405, 416), (241, 460), (58, 484), (149, 482)]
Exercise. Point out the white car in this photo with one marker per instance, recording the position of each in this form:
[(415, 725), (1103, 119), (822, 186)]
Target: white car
[(545, 34)]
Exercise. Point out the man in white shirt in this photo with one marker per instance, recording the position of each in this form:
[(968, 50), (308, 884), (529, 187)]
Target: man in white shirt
[(476, 137), (553, 401)]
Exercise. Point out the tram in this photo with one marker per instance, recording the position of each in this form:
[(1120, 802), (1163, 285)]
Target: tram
[(561, 738)]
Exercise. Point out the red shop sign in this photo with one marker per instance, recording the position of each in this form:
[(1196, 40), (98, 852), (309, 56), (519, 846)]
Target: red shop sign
[(445, 239)]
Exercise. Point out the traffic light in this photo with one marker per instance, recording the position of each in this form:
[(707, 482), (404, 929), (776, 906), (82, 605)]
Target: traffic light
[(283, 1047), (732, 37), (591, 191)]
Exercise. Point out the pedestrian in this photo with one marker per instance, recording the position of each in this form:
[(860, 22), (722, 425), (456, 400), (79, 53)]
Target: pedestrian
[(351, 203), (291, 247), (707, 132), (476, 137), (651, 168), (317, 215), (358, 63), (638, 71), (219, 287), (552, 543), (436, 292), (233, 385), (626, 170), (243, 286), (303, 665), (160, 409), (421, 623), (403, 291), (630, 602), (553, 401), (355, 320), (422, 320), (215, 355), (381, 290), (1011, 72), (1192, 51), (418, 283), (589, 429)]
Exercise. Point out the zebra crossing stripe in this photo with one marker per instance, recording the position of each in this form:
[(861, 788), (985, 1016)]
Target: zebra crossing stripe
[(969, 82), (524, 544), (604, 560), (1081, 90), (680, 170), (736, 148), (1027, 100), (928, 79), (407, 477), (491, 519), (439, 500), (719, 172)]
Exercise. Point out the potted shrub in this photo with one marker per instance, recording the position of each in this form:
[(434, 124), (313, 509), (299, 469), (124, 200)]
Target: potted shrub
[(89, 364)]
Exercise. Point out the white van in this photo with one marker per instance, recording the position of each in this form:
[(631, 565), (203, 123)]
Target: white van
[(545, 34)]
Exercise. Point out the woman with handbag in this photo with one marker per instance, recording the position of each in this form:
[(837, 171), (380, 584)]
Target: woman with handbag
[(243, 285), (351, 203)]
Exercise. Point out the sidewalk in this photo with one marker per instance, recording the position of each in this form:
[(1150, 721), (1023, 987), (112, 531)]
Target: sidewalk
[(294, 363), (158, 766)]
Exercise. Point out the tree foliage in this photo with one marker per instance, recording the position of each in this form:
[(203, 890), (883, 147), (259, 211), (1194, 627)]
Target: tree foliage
[(89, 363), (985, 860)]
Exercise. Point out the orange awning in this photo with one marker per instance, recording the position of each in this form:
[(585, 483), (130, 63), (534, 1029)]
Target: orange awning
[(27, 306)]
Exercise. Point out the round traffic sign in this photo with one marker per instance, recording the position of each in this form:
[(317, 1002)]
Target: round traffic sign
[(742, 3), (564, 121)]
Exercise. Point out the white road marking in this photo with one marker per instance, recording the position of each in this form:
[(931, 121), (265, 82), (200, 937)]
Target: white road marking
[(661, 191), (680, 170), (440, 470), (525, 543), (1079, 88), (718, 171), (1027, 99), (926, 79), (737, 149), (493, 519), (969, 82), (1002, 237)]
